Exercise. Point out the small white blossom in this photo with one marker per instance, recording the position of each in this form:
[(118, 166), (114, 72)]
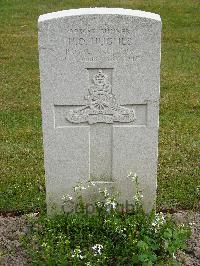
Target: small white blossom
[(113, 204), (99, 204), (132, 176), (77, 254), (192, 223), (63, 198), (174, 257), (67, 197), (77, 188), (158, 221), (136, 198), (92, 183), (97, 249), (105, 192), (120, 230), (110, 204)]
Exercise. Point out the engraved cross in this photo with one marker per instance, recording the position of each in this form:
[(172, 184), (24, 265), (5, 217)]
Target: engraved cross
[(101, 111)]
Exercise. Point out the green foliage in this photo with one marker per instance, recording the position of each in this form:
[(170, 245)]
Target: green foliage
[(106, 237)]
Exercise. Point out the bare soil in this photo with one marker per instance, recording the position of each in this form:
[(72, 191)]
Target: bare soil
[(191, 256), (11, 251)]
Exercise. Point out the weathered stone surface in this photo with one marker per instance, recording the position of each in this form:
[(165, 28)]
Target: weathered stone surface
[(100, 76)]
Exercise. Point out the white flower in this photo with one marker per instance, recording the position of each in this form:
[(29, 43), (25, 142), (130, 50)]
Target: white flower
[(63, 197), (174, 257), (99, 204), (67, 197), (120, 230), (132, 176), (136, 198), (79, 187), (191, 224), (158, 221), (76, 188), (91, 183), (97, 249), (110, 204), (105, 192), (77, 254), (113, 204)]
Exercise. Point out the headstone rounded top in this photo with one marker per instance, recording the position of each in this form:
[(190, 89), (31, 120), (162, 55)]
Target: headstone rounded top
[(99, 11)]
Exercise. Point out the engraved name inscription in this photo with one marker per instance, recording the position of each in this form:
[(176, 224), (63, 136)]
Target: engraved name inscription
[(101, 105), (99, 41)]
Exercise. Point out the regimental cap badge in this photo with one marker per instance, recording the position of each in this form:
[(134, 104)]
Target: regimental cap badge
[(101, 105)]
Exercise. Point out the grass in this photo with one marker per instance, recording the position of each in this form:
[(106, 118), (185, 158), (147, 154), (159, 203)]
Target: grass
[(22, 173)]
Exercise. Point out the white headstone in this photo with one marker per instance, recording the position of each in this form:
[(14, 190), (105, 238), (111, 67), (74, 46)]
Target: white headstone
[(100, 82)]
